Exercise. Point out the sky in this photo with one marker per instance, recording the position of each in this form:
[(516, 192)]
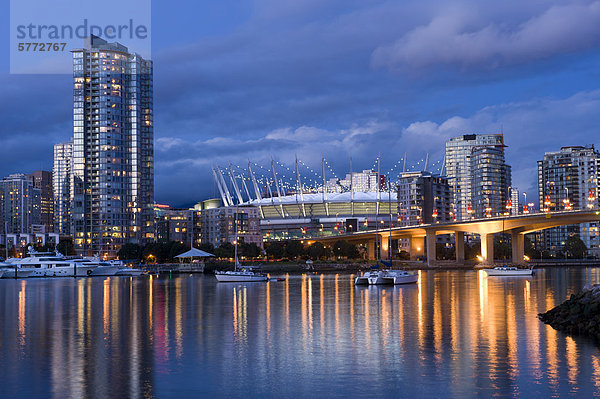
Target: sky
[(254, 79)]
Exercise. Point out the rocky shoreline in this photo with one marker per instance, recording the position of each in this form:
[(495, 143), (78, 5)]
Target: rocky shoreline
[(580, 314)]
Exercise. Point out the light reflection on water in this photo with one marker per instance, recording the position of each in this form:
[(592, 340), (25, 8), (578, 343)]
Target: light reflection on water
[(455, 333)]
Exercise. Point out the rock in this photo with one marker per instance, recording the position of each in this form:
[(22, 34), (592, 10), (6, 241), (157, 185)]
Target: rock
[(580, 314)]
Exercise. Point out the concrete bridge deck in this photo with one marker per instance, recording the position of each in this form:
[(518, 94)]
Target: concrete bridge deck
[(422, 237)]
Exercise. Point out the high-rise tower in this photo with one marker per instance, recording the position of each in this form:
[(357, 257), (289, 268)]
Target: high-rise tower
[(568, 180), (61, 187), (112, 185), (478, 175)]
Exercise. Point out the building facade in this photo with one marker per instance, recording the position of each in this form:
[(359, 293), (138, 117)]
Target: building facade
[(112, 183), (61, 187), (423, 198), (490, 182), (181, 225), (514, 201), (219, 225), (464, 156), (20, 205), (42, 180), (568, 180)]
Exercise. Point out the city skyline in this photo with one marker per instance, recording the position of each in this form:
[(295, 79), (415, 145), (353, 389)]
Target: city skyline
[(259, 80)]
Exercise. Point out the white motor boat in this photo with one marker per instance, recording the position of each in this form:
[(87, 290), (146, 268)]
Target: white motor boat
[(105, 269), (387, 276), (127, 271), (400, 276), (8, 271), (508, 271), (48, 264)]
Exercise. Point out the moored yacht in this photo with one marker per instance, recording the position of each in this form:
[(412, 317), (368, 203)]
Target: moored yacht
[(508, 271), (240, 274), (48, 264), (386, 276), (8, 271)]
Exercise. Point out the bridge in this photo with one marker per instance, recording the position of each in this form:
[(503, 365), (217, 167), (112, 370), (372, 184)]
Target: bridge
[(423, 237)]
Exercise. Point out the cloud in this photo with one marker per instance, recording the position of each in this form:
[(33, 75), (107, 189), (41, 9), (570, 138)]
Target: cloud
[(463, 39)]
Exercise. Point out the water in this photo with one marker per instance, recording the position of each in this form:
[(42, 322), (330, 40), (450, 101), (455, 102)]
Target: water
[(455, 334)]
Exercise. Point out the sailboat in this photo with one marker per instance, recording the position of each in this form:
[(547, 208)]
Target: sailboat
[(386, 276), (505, 270), (239, 273)]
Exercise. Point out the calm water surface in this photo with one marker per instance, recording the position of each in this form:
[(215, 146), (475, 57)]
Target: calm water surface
[(455, 334)]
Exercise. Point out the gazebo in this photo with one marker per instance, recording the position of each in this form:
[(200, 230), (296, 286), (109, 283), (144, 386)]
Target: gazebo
[(194, 253)]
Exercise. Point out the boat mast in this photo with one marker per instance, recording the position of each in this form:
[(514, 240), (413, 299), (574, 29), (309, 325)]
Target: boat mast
[(235, 214)]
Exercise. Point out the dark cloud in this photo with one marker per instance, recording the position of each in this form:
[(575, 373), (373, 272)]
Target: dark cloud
[(464, 39), (311, 77)]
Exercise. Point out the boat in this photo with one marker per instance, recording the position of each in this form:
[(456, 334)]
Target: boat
[(508, 271), (368, 278), (239, 273), (386, 276), (105, 269), (49, 264), (127, 271), (8, 271)]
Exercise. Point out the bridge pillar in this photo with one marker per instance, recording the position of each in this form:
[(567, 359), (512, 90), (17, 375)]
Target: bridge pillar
[(431, 256), (518, 247), (459, 246), (487, 248), (384, 249), (416, 246), (371, 248)]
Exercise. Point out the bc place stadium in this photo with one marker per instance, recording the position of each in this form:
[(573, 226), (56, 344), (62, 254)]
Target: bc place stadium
[(297, 202)]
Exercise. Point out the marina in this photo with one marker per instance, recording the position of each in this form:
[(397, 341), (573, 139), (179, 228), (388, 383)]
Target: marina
[(458, 332)]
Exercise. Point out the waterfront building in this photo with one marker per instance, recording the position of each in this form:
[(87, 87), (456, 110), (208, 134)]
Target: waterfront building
[(490, 181), (61, 186), (568, 180), (112, 184), (182, 225), (474, 163), (42, 180), (20, 205), (218, 225), (423, 198)]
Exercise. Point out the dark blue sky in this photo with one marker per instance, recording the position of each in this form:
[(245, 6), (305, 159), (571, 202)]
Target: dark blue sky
[(250, 79)]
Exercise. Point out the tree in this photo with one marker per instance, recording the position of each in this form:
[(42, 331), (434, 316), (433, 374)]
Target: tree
[(249, 249), (575, 248), (294, 249), (274, 250), (65, 247), (129, 252), (177, 248), (207, 247), (343, 248), (225, 250), (472, 250), (316, 250), (502, 248)]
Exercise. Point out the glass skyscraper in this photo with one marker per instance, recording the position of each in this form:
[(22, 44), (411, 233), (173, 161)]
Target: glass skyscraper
[(112, 176), (478, 175), (61, 187)]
